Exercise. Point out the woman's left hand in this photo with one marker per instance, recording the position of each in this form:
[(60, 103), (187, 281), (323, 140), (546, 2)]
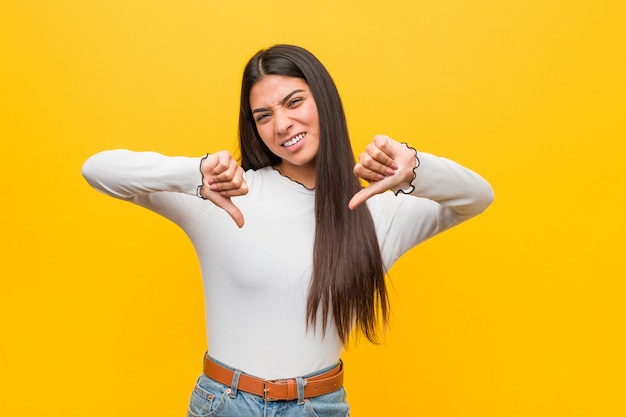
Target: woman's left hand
[(386, 164)]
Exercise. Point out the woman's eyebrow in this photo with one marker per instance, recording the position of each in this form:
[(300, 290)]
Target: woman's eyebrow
[(282, 102)]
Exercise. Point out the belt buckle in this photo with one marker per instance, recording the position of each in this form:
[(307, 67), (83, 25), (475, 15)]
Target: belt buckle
[(266, 390)]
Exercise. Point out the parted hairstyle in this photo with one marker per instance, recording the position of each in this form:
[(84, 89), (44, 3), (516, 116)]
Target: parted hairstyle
[(348, 277)]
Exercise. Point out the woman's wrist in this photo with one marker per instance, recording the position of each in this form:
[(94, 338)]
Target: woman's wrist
[(202, 160), (408, 187)]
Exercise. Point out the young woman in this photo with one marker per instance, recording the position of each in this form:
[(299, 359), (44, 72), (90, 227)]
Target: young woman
[(293, 250)]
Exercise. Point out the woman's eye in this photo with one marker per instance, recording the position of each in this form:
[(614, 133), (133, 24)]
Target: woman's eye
[(295, 101), (261, 117)]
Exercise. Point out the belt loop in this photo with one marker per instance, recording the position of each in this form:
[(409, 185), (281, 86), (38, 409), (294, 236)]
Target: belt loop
[(300, 383), (234, 384)]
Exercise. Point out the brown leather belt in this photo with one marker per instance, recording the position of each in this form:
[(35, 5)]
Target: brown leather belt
[(281, 389)]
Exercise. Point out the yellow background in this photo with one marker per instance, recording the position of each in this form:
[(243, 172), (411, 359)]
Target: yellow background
[(519, 312)]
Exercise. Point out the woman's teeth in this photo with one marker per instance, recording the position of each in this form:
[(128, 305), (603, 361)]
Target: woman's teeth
[(294, 140)]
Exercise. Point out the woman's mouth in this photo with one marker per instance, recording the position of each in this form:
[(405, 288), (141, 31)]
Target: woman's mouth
[(294, 140)]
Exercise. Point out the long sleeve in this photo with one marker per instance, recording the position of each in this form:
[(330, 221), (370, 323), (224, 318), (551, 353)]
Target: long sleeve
[(443, 195), (124, 174), (451, 185), (166, 185)]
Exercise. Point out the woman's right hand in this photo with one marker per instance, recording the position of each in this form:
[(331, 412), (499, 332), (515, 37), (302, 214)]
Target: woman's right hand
[(222, 178), (386, 164)]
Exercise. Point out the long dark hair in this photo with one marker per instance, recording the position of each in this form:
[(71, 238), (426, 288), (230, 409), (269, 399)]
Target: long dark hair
[(348, 281)]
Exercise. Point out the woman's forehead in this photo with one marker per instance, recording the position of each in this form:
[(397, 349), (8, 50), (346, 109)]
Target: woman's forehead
[(272, 89)]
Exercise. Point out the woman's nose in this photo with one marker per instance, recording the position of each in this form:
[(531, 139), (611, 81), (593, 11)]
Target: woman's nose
[(282, 123)]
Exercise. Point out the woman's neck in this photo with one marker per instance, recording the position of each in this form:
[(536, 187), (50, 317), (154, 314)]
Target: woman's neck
[(305, 175)]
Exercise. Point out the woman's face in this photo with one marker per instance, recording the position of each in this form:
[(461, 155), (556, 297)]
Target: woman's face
[(286, 118)]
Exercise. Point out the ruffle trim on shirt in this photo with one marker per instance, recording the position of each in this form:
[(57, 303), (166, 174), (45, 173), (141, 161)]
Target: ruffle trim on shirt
[(201, 177), (292, 180), (417, 164)]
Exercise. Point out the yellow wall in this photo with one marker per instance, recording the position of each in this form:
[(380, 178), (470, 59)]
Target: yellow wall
[(518, 313)]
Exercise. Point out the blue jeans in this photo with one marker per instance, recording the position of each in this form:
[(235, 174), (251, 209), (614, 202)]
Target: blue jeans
[(212, 399)]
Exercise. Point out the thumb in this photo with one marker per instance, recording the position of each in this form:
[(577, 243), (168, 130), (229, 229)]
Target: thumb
[(375, 187), (233, 211)]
